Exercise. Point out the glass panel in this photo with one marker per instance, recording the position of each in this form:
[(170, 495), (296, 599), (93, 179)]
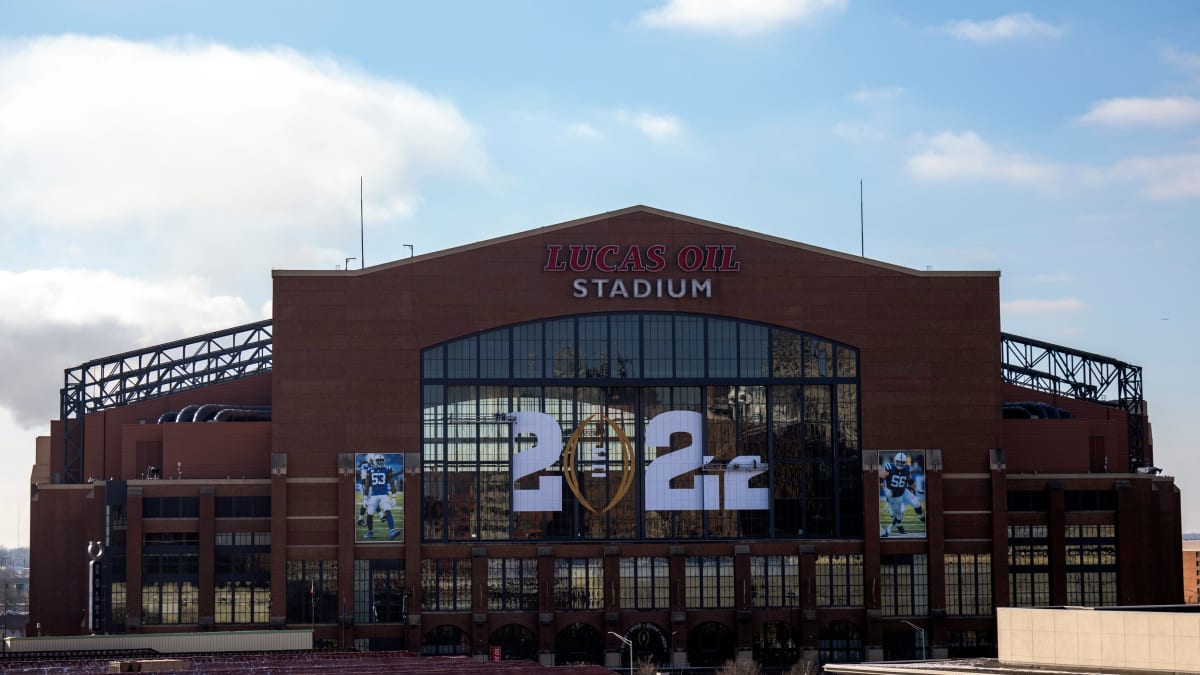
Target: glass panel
[(560, 348), (494, 357), (657, 345), (626, 346), (527, 351), (689, 346), (722, 348), (593, 346)]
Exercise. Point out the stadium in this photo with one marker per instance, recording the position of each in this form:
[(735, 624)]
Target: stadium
[(636, 435)]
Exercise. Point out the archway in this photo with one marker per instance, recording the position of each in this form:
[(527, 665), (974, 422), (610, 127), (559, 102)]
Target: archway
[(515, 642), (710, 645), (578, 643), (445, 640), (649, 644), (775, 645)]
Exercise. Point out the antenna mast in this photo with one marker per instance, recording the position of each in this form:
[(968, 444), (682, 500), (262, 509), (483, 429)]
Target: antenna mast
[(862, 242), (362, 254)]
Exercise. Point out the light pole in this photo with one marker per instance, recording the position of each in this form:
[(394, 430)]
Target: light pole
[(628, 643), (924, 638)]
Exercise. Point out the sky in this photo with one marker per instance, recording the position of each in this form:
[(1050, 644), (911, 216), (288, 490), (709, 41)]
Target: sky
[(159, 159)]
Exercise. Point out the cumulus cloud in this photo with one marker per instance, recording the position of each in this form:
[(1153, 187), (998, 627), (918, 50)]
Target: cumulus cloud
[(1187, 60), (658, 128), (189, 144), (966, 156), (1159, 112), (877, 94), (54, 319), (1162, 177), (738, 18), (585, 131), (858, 133), (1007, 27), (1042, 306)]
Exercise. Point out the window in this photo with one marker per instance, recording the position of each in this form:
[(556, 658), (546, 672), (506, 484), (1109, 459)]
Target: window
[(445, 585), (170, 507), (787, 398), (775, 581), (904, 586), (839, 580), (243, 507), (242, 602), (379, 593), (968, 584), (1091, 561), (170, 602), (512, 584), (645, 583), (1028, 566), (312, 591), (1028, 500), (170, 577), (709, 582), (1090, 500), (578, 583)]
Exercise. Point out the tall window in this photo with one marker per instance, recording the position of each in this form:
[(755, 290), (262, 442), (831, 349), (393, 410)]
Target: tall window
[(512, 584), (446, 584), (778, 418), (578, 583), (775, 581), (170, 602), (968, 583), (1028, 566), (645, 583), (1091, 557), (904, 587), (242, 577), (170, 577), (312, 591), (379, 593), (839, 580), (709, 582)]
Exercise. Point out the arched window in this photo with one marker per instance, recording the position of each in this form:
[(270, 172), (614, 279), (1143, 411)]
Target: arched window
[(640, 426)]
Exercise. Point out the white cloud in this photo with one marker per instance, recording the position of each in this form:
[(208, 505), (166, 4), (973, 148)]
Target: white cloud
[(739, 18), (57, 318), (217, 157), (1042, 306), (585, 131), (1187, 60), (877, 95), (1161, 178), (658, 128), (965, 156), (1008, 27), (858, 133), (1052, 278), (1160, 112)]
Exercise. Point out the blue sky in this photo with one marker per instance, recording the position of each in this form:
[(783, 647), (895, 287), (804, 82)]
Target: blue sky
[(157, 160)]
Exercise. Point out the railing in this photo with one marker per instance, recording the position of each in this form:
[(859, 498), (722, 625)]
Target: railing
[(154, 372), (1055, 369)]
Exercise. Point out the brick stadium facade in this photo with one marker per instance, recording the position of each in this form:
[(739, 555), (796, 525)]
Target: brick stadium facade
[(709, 442)]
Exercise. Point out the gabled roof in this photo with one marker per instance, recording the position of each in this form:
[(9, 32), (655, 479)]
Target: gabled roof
[(639, 208)]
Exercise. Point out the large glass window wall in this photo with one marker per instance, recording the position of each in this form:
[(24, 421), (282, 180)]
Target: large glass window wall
[(640, 426)]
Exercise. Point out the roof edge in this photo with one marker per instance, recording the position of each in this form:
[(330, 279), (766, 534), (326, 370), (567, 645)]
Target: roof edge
[(627, 210)]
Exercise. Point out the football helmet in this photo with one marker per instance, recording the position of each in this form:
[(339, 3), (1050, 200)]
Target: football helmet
[(900, 458), (379, 460)]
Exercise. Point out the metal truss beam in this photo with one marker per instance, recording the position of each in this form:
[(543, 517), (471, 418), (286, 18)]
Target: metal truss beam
[(154, 372), (1055, 369)]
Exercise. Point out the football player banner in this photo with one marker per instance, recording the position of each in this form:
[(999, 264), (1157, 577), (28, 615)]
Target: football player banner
[(902, 494), (379, 496)]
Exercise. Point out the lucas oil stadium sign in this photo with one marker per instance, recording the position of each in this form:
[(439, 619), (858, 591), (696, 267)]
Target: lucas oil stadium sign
[(609, 259)]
